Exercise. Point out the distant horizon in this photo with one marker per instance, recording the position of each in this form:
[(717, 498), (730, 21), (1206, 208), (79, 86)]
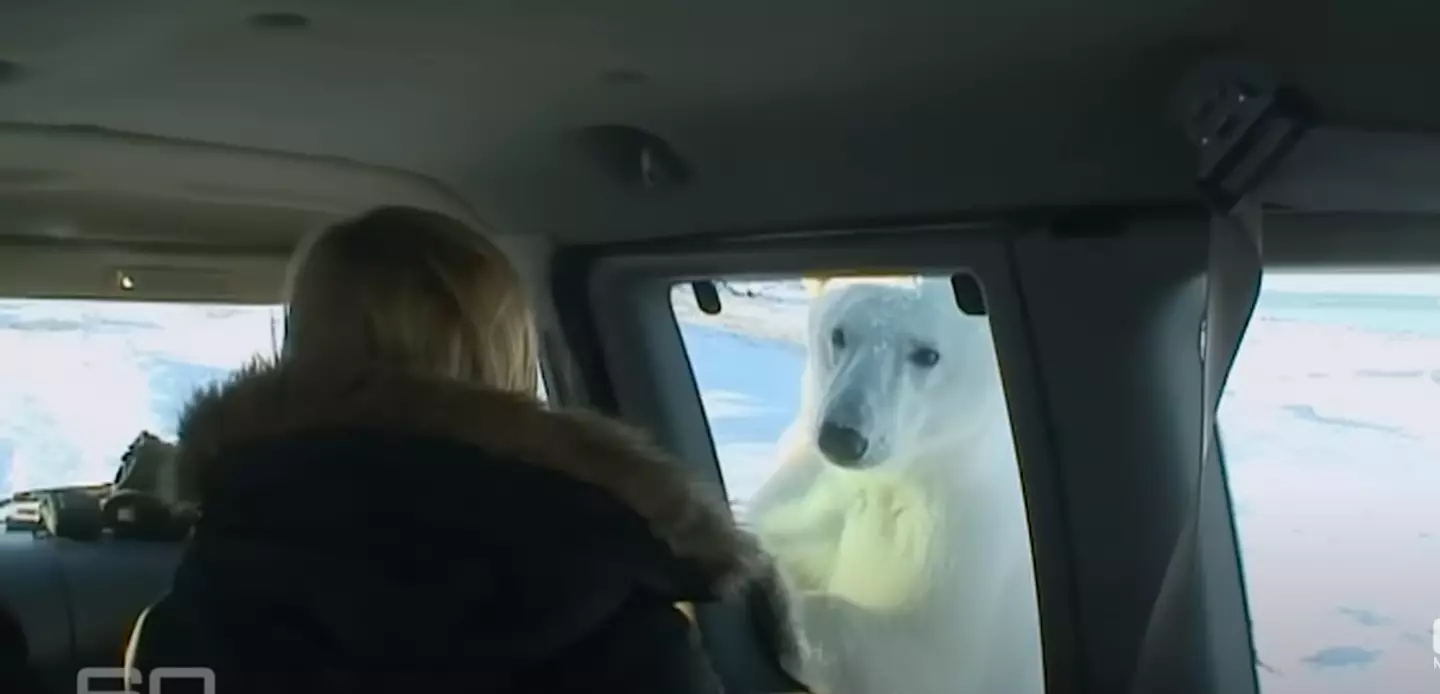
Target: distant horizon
[(1399, 283)]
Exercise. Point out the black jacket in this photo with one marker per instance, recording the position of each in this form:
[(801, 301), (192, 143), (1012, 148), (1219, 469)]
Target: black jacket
[(371, 531)]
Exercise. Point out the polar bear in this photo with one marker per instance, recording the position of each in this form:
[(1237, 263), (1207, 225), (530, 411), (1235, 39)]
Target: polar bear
[(896, 516)]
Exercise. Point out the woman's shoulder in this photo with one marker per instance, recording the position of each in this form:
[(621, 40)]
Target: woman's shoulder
[(437, 419)]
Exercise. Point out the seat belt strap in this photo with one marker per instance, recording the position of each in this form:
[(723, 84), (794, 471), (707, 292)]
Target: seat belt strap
[(1232, 285)]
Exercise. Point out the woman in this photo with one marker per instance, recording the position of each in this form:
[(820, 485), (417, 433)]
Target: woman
[(387, 507)]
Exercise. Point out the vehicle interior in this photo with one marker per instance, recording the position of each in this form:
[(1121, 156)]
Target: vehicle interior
[(1107, 182)]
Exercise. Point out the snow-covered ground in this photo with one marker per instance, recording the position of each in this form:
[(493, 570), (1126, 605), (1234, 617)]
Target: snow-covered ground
[(1331, 430), (79, 380)]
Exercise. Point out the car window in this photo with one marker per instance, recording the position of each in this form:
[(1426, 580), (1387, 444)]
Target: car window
[(1330, 427), (79, 380), (863, 435)]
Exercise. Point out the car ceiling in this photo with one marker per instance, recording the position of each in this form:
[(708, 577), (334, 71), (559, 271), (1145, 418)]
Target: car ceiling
[(788, 114)]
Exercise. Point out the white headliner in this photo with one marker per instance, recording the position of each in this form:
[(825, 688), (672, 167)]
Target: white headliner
[(790, 113)]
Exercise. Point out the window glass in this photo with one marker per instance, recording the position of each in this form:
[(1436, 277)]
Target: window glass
[(79, 380), (1331, 431), (863, 435)]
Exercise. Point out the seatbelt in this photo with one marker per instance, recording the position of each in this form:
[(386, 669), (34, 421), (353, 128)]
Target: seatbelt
[(1232, 284), (132, 649)]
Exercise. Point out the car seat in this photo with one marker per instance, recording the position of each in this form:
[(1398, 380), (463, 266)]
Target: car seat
[(145, 501), (164, 637)]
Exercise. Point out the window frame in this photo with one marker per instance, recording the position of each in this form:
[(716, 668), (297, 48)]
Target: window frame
[(636, 356), (1086, 648)]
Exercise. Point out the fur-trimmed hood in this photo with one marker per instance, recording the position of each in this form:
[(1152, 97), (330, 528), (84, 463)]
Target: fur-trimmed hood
[(269, 402)]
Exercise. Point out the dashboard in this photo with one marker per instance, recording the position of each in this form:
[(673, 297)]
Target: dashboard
[(73, 602)]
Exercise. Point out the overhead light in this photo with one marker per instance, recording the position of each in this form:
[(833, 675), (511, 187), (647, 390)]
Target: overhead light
[(174, 282), (10, 71), (279, 20)]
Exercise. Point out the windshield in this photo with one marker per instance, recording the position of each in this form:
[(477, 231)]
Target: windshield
[(79, 380)]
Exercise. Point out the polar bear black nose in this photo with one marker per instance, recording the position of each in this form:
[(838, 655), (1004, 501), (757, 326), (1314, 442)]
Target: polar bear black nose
[(841, 444)]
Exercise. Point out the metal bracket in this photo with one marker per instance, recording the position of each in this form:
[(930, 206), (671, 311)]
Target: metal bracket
[(1242, 122)]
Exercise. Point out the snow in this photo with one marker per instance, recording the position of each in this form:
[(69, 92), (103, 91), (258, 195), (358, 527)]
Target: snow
[(79, 380), (1331, 431)]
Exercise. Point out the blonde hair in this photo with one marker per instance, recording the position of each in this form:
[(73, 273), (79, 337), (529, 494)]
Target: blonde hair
[(407, 288)]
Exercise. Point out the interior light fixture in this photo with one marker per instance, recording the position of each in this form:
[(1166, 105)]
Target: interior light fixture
[(10, 71), (279, 20)]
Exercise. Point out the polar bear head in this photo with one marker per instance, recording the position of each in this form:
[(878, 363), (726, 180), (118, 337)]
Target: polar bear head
[(894, 370)]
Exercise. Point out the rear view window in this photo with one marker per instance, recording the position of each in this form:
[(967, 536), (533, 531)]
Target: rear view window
[(863, 435)]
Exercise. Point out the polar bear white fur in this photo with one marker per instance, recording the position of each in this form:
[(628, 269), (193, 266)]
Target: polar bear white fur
[(896, 516)]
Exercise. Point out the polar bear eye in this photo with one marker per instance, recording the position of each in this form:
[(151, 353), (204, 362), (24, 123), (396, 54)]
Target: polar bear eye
[(924, 357), (837, 338)]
